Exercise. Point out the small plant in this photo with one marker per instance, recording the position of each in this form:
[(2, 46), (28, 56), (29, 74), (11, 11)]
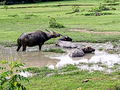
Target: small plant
[(54, 24), (4, 6), (28, 16), (114, 44), (100, 49), (110, 1), (9, 80), (54, 50), (13, 15), (90, 64), (75, 8), (2, 2), (102, 7)]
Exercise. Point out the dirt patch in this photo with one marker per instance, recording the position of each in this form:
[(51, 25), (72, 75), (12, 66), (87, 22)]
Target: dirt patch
[(93, 32)]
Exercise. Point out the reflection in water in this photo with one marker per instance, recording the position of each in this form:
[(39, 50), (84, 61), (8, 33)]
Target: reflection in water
[(34, 58), (31, 59)]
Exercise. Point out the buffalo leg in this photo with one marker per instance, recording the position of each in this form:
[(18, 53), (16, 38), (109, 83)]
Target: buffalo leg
[(40, 45), (24, 47), (19, 46)]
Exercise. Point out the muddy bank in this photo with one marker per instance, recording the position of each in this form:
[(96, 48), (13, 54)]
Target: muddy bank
[(100, 60)]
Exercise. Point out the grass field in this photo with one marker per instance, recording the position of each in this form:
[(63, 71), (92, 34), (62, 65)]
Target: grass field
[(70, 78), (24, 18)]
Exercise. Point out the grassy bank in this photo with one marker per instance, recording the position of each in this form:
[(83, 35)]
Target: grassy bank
[(70, 78), (24, 18)]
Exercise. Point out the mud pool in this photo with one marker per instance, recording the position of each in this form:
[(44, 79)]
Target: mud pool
[(100, 60)]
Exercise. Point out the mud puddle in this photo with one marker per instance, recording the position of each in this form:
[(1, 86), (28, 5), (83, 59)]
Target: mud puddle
[(100, 60)]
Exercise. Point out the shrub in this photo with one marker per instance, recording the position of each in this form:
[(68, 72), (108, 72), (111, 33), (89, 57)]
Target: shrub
[(9, 80), (54, 24), (75, 8), (110, 1), (102, 7)]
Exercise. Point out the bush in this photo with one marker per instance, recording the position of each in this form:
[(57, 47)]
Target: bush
[(102, 7), (111, 1), (54, 24), (9, 80), (75, 8)]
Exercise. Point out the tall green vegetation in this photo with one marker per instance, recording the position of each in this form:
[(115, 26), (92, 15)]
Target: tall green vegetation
[(54, 24), (111, 1), (9, 78), (24, 1)]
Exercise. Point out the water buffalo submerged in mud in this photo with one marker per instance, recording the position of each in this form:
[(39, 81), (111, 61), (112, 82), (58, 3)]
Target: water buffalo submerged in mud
[(35, 38), (81, 52), (64, 42)]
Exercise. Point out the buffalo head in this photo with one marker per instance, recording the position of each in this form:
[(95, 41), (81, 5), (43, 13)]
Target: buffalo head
[(88, 49), (52, 34), (65, 38)]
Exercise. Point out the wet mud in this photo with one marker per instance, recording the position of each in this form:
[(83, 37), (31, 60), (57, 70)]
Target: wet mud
[(98, 60)]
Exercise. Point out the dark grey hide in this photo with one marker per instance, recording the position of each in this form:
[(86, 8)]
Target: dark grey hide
[(64, 42), (34, 38), (81, 52), (76, 53)]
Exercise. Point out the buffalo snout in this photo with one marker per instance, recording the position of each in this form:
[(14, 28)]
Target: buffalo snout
[(68, 39), (88, 49), (54, 35)]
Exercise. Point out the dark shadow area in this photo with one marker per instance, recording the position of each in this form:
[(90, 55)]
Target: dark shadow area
[(11, 2)]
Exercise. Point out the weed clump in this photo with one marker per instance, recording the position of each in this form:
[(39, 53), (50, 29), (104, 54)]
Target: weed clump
[(54, 50), (102, 7), (110, 1), (9, 80), (54, 24), (15, 15), (75, 8)]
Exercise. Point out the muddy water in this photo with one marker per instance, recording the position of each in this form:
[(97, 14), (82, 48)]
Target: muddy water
[(94, 61)]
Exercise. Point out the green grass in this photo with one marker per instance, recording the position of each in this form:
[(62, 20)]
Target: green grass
[(54, 50), (72, 80), (36, 16), (25, 18)]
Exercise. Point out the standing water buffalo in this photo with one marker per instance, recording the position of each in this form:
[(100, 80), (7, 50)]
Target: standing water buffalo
[(81, 52), (35, 38), (64, 42)]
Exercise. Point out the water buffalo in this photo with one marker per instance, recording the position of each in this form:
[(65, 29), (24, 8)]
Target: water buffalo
[(64, 42), (35, 38), (81, 52)]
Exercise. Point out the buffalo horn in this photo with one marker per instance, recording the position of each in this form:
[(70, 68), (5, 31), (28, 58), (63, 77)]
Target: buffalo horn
[(47, 30), (63, 35)]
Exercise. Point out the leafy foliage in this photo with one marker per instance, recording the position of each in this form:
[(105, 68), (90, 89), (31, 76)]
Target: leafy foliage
[(102, 7), (54, 24), (75, 8), (110, 1), (9, 80)]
